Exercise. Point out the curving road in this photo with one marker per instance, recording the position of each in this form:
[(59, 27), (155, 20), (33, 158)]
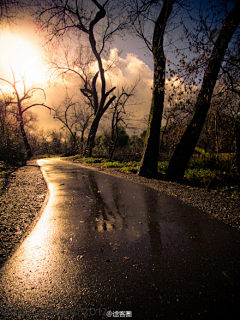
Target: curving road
[(105, 247)]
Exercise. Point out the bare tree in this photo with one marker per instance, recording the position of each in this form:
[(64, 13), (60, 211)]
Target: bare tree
[(10, 8), (188, 142), (11, 142), (75, 117), (119, 114), (96, 24), (142, 16), (227, 95), (19, 100)]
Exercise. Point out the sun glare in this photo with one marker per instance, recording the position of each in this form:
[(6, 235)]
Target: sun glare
[(23, 58)]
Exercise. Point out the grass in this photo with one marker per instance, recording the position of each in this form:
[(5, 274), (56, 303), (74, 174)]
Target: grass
[(93, 160), (115, 164), (217, 174)]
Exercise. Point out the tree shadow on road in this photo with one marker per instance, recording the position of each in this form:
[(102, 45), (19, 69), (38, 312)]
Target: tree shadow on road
[(102, 216)]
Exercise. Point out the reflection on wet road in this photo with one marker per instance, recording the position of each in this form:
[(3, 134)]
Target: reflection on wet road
[(104, 243)]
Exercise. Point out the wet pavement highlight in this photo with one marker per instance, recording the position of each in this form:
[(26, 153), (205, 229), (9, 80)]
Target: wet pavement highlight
[(106, 247)]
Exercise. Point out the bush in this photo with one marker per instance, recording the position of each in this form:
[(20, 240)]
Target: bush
[(202, 152), (233, 190), (11, 149), (162, 167)]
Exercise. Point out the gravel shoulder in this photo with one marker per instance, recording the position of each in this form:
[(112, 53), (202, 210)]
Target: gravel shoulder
[(22, 198), (26, 192)]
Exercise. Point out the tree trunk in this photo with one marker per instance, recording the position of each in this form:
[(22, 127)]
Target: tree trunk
[(184, 150), (25, 140), (238, 143), (92, 135), (149, 161), (113, 144), (73, 142)]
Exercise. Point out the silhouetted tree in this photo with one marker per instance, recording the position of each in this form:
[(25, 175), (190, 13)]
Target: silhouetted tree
[(148, 164), (119, 115), (18, 100), (184, 150), (75, 118), (11, 143), (9, 9), (96, 23)]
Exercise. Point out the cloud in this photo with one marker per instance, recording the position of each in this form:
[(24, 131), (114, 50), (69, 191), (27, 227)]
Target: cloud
[(124, 71)]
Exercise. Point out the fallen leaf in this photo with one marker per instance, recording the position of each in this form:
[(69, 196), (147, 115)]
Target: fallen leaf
[(126, 258), (80, 257)]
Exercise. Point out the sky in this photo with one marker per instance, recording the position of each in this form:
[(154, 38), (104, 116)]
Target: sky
[(22, 51)]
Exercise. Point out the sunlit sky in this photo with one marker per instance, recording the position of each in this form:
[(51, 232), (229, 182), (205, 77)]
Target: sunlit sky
[(22, 57), (21, 49), (22, 52)]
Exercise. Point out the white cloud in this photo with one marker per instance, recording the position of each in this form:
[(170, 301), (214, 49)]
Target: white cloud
[(127, 70)]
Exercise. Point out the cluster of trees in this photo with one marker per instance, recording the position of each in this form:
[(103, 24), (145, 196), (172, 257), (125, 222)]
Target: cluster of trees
[(195, 95), (11, 142)]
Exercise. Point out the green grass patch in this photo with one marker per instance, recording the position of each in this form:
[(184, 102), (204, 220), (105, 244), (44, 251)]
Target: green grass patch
[(130, 167), (92, 160), (115, 164), (213, 174), (199, 174)]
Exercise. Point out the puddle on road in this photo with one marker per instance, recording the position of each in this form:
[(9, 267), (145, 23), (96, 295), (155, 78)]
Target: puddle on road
[(132, 211)]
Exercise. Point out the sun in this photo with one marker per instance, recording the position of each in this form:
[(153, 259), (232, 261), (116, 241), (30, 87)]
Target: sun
[(23, 58)]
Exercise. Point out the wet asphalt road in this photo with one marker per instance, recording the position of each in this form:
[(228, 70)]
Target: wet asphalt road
[(107, 244)]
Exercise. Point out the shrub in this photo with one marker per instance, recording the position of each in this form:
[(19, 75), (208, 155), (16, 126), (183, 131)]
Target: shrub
[(11, 149), (162, 167)]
